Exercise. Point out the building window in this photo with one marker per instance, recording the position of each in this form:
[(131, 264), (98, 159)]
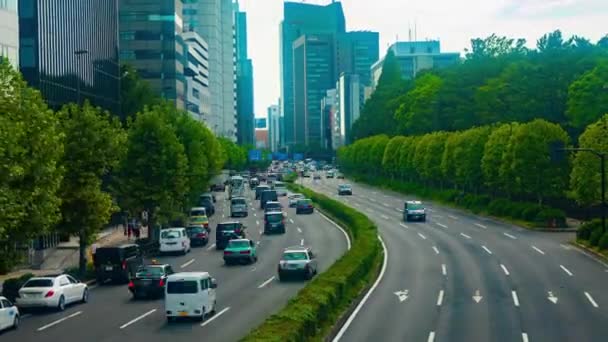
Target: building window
[(412, 49), (127, 35), (127, 55), (196, 94), (10, 5)]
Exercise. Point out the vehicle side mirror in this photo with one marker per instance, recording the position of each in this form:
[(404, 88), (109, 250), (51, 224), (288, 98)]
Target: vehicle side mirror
[(213, 283)]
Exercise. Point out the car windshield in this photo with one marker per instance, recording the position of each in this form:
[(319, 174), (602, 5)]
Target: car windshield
[(239, 201), (295, 256), (184, 286), (198, 212), (238, 244), (149, 271), (39, 283), (345, 187), (195, 230), (169, 234), (274, 218), (415, 206)]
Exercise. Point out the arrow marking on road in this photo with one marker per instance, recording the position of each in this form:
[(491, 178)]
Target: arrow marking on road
[(402, 295), (444, 270), (552, 298), (504, 268), (566, 270), (477, 297), (442, 225), (510, 236), (481, 225), (465, 235), (591, 299), (422, 236), (538, 250), (404, 226), (435, 249), (266, 282), (515, 298), (187, 264), (440, 298), (59, 321), (210, 247), (487, 250), (138, 318), (215, 316)]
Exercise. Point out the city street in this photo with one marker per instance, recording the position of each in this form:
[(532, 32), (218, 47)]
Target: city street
[(246, 294), (461, 277)]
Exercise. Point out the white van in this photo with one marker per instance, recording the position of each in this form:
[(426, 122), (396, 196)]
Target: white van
[(190, 294), (280, 188), (174, 240)]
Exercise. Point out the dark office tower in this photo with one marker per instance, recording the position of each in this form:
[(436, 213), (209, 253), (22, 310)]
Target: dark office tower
[(313, 75), (301, 19), (150, 41), (357, 52), (244, 82), (67, 46)]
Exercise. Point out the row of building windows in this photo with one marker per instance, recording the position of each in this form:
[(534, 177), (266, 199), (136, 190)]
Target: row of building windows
[(9, 5)]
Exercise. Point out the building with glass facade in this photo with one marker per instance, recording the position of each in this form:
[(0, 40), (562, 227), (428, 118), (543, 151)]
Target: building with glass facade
[(244, 81), (196, 70), (151, 42), (274, 128), (9, 31), (59, 72)]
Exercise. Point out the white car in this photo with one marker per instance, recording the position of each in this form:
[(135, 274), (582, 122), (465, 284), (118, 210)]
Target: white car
[(293, 199), (280, 188), (9, 314), (52, 292), (190, 294), (174, 240)]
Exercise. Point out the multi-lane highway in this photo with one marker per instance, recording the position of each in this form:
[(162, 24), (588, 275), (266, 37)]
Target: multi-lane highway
[(461, 277), (246, 294)]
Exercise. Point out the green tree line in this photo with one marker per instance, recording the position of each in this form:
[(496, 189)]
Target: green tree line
[(564, 81), (69, 170)]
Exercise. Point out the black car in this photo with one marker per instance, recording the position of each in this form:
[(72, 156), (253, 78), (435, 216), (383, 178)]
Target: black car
[(274, 222), (206, 201), (345, 189), (268, 196), (273, 206), (117, 263), (227, 231), (259, 189), (199, 236), (150, 281), (304, 206), (218, 187)]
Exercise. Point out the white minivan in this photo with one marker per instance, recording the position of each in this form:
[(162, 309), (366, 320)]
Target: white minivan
[(190, 294), (174, 240)]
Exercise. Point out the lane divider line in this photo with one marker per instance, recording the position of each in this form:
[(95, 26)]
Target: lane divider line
[(138, 318), (215, 316), (435, 249), (566, 270), (291, 221), (504, 269), (515, 298), (384, 217), (442, 225), (538, 250), (59, 321), (302, 242), (431, 337), (211, 247), (257, 223), (453, 217), (465, 235), (444, 270), (399, 210), (510, 236), (299, 230), (487, 250), (591, 299), (266, 282), (404, 226), (524, 337), (481, 225), (355, 312), (440, 298), (187, 264), (422, 236)]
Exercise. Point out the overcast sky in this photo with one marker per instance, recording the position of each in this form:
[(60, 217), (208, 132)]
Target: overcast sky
[(453, 22)]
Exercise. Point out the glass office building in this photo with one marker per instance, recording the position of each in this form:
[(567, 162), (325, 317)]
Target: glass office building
[(50, 34)]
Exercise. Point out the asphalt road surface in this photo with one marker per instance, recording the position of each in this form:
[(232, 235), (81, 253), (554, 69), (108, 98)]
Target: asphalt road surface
[(461, 277), (246, 295)]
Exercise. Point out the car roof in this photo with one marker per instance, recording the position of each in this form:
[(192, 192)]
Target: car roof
[(273, 202), (274, 213), (46, 277), (229, 222), (187, 276), (238, 197), (239, 240), (121, 246), (296, 249), (173, 228), (413, 202), (198, 208)]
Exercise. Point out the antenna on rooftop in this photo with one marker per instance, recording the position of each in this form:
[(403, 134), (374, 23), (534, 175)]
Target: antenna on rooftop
[(415, 30)]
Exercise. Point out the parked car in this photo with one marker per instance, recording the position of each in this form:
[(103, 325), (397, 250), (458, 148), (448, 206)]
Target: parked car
[(304, 206), (280, 188), (240, 250), (199, 236), (293, 199), (273, 206), (9, 314), (267, 196), (274, 222), (190, 294), (54, 291), (259, 189), (174, 240), (345, 189), (297, 261), (238, 207), (150, 281), (117, 263), (414, 210), (227, 231)]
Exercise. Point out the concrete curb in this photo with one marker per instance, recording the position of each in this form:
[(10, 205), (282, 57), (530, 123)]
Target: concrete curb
[(590, 253)]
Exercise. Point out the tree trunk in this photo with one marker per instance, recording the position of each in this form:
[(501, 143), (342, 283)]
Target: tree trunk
[(82, 261)]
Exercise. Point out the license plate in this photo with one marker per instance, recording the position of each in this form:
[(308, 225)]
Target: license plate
[(183, 313), (109, 268), (292, 267)]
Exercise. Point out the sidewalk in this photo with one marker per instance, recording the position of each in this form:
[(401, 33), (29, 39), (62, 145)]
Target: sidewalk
[(66, 254)]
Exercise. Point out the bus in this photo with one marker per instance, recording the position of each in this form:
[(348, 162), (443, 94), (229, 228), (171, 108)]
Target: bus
[(236, 182)]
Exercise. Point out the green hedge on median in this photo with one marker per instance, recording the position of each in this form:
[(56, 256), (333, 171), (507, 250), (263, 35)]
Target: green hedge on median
[(312, 313)]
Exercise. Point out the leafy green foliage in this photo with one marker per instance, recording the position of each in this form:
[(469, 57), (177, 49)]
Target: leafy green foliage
[(11, 286), (588, 96), (134, 92)]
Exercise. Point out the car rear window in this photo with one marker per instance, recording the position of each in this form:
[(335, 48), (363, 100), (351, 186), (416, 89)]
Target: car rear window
[(149, 271), (198, 212), (39, 283), (184, 286), (195, 230), (238, 244), (239, 201), (295, 256), (414, 206), (170, 234), (304, 202), (227, 226), (108, 254), (274, 218)]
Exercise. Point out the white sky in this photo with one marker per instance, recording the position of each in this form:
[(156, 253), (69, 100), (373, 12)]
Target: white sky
[(454, 22)]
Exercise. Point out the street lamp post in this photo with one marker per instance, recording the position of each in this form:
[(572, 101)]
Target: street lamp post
[(79, 53)]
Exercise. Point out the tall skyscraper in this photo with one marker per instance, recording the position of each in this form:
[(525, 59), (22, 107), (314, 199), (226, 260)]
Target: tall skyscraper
[(274, 128), (244, 81), (213, 20), (301, 19), (9, 31), (151, 42), (196, 70), (64, 52)]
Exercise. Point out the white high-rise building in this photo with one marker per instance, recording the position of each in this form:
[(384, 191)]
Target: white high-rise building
[(9, 31), (274, 128)]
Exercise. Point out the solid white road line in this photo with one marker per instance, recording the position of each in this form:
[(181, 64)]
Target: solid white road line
[(302, 242), (591, 299), (404, 226), (515, 298), (422, 236), (373, 200), (59, 321), (187, 264), (431, 337), (566, 270), (487, 250), (384, 217), (439, 216), (453, 217), (440, 298), (211, 247), (257, 223), (510, 236), (299, 230), (481, 225), (215, 316), (444, 270), (524, 337), (504, 268), (138, 318), (346, 236), (465, 235), (353, 315), (435, 249), (266, 282), (290, 221), (538, 250), (442, 225)]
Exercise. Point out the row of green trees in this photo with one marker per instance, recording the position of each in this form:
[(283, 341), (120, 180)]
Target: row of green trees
[(563, 81), (512, 160), (68, 171)]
